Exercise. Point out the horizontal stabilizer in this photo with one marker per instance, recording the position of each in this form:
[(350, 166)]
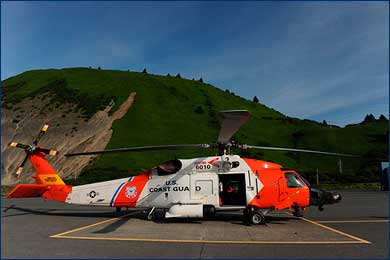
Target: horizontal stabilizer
[(27, 191)]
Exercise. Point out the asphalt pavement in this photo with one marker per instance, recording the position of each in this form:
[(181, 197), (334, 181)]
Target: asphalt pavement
[(355, 228)]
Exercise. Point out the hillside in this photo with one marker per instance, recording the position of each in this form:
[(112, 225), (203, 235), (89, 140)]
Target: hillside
[(169, 110)]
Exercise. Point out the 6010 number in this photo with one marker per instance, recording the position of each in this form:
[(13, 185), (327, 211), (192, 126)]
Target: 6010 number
[(203, 167)]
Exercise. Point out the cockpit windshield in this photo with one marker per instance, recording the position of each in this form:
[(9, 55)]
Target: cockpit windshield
[(293, 181), (305, 180)]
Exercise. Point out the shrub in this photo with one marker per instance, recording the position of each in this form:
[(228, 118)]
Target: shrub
[(199, 110)]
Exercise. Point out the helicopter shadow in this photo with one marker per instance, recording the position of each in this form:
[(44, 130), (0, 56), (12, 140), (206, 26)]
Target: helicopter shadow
[(56, 212), (233, 219)]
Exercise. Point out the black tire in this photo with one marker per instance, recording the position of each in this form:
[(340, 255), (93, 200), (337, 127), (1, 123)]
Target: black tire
[(298, 212), (257, 218)]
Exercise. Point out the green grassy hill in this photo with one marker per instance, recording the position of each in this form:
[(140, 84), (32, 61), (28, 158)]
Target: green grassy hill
[(170, 110)]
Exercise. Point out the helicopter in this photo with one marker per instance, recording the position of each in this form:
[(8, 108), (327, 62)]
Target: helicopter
[(186, 188)]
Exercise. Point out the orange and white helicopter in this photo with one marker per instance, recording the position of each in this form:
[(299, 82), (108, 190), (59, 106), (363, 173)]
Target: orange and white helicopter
[(189, 188)]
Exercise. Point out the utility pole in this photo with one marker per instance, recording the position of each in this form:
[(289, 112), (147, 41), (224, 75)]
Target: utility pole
[(340, 166)]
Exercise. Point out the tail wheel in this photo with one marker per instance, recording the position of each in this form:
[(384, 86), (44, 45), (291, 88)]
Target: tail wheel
[(257, 217)]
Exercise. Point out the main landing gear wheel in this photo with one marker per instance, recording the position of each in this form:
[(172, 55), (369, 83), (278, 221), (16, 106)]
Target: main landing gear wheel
[(257, 217)]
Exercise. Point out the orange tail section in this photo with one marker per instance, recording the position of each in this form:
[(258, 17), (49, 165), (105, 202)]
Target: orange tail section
[(49, 183)]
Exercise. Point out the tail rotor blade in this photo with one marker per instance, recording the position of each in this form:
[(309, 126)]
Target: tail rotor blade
[(20, 169), (18, 145), (232, 120), (47, 151), (41, 133), (293, 150)]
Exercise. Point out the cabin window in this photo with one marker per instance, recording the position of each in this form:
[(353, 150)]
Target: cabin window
[(293, 181)]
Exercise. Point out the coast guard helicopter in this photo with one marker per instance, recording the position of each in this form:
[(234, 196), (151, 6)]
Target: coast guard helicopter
[(186, 188)]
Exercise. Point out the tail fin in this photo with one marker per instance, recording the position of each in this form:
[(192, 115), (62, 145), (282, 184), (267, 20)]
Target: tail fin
[(45, 175), (49, 183)]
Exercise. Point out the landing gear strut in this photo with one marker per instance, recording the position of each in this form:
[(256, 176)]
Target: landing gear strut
[(151, 214)]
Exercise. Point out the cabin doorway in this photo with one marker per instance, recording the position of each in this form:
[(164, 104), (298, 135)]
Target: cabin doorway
[(232, 190)]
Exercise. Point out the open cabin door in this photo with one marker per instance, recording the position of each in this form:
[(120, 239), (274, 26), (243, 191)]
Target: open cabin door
[(232, 189)]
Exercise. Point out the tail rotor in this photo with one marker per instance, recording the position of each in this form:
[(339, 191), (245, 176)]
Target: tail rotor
[(32, 149)]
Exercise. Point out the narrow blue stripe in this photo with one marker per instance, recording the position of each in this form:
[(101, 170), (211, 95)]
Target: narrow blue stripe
[(113, 197), (131, 178)]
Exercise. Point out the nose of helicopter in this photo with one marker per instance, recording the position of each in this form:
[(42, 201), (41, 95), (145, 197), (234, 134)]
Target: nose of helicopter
[(320, 198)]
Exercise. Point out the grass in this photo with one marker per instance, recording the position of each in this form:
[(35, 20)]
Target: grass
[(170, 110)]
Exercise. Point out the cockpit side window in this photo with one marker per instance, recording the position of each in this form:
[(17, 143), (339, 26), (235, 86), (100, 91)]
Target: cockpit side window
[(293, 181)]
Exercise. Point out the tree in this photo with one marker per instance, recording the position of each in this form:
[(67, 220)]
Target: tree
[(168, 75), (99, 68), (382, 118), (255, 99), (227, 91), (324, 122), (178, 76), (369, 118), (144, 71), (201, 80)]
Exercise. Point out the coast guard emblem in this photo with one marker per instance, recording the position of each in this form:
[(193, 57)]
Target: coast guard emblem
[(131, 192)]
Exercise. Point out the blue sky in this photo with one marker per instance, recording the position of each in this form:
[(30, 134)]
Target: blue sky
[(315, 60)]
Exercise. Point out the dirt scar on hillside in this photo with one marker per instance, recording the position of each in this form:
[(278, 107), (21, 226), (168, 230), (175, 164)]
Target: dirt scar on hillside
[(69, 132)]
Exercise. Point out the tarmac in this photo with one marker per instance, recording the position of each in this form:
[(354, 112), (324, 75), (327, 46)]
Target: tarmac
[(357, 227)]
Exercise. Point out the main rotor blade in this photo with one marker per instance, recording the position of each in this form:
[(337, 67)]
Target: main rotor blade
[(41, 133), (232, 120), (143, 148), (293, 150), (19, 145), (20, 169), (47, 151)]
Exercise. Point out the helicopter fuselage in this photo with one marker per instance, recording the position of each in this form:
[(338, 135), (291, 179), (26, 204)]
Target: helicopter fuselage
[(187, 188)]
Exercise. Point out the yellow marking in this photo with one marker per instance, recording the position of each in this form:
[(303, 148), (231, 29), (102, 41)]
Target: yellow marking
[(45, 127), (13, 144), (336, 231), (52, 152), (208, 241), (356, 240), (51, 179), (92, 225), (354, 221)]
